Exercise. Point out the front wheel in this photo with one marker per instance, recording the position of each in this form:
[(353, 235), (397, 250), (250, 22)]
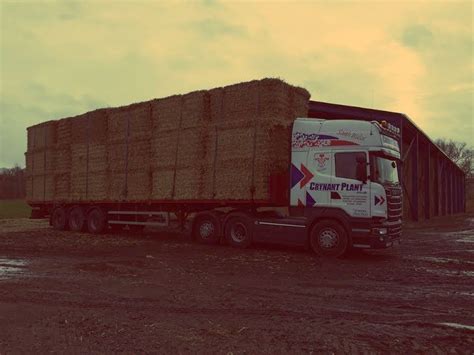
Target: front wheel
[(328, 238), (238, 231)]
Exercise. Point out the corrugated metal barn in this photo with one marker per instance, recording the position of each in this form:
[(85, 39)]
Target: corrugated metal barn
[(433, 184)]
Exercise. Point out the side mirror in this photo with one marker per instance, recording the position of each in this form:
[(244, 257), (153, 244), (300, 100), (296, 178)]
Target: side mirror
[(361, 170)]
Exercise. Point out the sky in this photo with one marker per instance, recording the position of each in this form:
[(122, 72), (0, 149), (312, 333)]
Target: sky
[(63, 58)]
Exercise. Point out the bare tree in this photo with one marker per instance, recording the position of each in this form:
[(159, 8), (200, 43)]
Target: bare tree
[(458, 152)]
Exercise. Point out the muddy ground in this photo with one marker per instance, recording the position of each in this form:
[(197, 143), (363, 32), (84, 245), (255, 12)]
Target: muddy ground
[(63, 292)]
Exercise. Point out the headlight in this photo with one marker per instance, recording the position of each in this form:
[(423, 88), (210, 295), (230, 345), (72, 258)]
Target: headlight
[(379, 231)]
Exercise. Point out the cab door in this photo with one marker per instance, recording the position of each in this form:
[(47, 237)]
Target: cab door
[(349, 193)]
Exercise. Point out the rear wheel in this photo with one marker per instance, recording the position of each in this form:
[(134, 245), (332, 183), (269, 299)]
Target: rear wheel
[(59, 218), (96, 221), (206, 228), (76, 220), (330, 239), (238, 231)]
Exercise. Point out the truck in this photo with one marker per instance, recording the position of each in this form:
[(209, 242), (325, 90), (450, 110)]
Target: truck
[(333, 185)]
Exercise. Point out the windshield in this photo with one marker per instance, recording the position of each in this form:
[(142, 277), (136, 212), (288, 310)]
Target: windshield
[(384, 171)]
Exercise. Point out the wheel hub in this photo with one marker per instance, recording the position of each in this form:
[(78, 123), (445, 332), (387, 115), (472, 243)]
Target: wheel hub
[(328, 238), (206, 229), (238, 232)]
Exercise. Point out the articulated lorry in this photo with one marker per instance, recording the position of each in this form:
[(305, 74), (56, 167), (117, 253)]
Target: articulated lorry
[(241, 163)]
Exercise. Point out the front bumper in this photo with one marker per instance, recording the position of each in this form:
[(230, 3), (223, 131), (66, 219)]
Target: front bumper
[(373, 239)]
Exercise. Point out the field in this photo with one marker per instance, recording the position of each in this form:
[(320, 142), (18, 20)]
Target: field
[(160, 293), (14, 209)]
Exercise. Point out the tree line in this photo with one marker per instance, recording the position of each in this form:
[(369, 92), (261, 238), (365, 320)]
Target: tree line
[(12, 183)]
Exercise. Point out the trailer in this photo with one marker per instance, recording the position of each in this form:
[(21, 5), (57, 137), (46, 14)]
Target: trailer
[(243, 162)]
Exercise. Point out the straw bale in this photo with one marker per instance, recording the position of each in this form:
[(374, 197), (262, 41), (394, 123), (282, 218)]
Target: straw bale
[(163, 149), (135, 185), (139, 185), (42, 136), (40, 162), (78, 158), (138, 155), (79, 129), (234, 179), (196, 110), (97, 126), (133, 120), (162, 184), (61, 187), (193, 147), (40, 187), (63, 132), (97, 185), (78, 186), (166, 113), (62, 159), (97, 157)]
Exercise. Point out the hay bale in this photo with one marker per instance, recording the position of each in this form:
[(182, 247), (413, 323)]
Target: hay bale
[(133, 121), (41, 136), (97, 182), (162, 184), (163, 149), (97, 126), (61, 187), (97, 157), (78, 158), (64, 132), (166, 113)]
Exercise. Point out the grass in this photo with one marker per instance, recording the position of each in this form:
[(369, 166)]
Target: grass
[(14, 209)]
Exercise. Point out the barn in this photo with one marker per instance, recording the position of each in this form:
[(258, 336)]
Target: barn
[(433, 185)]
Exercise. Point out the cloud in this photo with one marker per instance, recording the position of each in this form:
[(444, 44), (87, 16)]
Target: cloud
[(62, 58)]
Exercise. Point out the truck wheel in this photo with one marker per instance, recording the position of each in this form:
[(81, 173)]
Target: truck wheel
[(206, 228), (76, 219), (330, 239), (96, 221), (59, 218), (238, 231)]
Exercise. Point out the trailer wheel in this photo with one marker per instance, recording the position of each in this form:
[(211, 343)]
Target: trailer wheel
[(329, 239), (76, 219), (59, 218), (206, 228), (238, 231), (96, 221)]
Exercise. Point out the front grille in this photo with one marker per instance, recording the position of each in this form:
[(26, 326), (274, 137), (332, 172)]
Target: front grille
[(394, 211), (394, 204)]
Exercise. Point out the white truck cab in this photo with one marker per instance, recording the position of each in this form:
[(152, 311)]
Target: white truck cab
[(348, 170)]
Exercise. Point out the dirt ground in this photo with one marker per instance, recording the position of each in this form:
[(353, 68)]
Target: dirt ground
[(63, 292)]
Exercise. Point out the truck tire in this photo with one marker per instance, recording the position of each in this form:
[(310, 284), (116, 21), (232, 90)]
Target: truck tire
[(96, 221), (329, 239), (59, 218), (206, 228), (76, 219), (238, 231)]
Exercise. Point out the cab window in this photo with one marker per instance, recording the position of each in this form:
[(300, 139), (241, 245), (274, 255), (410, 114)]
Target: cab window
[(346, 164)]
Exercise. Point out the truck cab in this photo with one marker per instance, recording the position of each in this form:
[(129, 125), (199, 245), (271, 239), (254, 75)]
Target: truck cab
[(346, 172)]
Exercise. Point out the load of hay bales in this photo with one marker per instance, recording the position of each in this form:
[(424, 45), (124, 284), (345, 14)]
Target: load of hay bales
[(219, 144)]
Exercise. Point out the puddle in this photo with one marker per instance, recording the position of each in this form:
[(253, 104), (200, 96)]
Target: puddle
[(458, 326), (445, 272), (10, 268), (445, 260)]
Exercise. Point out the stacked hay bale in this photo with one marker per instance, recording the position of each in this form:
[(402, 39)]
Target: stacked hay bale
[(222, 144), (40, 161), (128, 152), (62, 165)]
